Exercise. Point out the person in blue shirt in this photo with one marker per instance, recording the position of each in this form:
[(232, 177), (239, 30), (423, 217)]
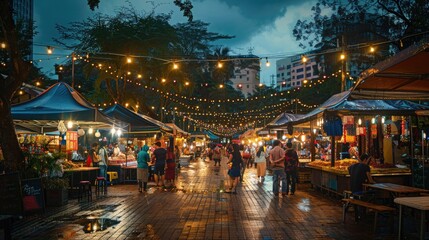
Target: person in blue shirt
[(143, 168)]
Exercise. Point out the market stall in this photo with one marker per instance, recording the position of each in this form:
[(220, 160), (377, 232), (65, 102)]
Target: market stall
[(337, 179), (74, 120), (141, 130)]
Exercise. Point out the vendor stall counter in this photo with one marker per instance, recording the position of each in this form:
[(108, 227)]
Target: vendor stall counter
[(337, 179)]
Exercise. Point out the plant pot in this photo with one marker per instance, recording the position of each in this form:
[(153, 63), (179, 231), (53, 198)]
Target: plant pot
[(56, 197)]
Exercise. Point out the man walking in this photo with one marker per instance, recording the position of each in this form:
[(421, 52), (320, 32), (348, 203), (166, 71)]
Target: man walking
[(277, 157)]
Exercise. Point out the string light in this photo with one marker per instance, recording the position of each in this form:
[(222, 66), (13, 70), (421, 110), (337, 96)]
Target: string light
[(219, 64), (304, 59), (49, 50), (267, 63), (3, 45), (175, 66)]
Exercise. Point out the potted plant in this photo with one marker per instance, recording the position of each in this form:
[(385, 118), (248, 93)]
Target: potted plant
[(56, 191)]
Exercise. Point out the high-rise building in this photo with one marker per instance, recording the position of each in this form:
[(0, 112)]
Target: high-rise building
[(23, 12), (246, 74), (293, 71)]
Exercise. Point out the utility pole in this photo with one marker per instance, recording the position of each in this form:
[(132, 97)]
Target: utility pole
[(73, 59)]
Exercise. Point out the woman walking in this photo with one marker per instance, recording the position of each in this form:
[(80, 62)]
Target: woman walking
[(236, 164), (261, 163)]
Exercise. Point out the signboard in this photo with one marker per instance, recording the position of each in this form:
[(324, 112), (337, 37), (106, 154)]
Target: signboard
[(33, 195), (71, 141), (10, 194)]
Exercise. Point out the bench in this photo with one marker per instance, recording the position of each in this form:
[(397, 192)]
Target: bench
[(376, 208)]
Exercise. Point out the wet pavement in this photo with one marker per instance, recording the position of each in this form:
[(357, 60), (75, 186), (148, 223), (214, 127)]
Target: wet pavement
[(199, 208)]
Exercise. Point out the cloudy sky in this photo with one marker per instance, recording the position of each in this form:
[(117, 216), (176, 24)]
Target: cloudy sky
[(262, 26)]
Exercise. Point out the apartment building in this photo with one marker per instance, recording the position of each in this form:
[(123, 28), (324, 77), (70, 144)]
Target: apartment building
[(292, 71)]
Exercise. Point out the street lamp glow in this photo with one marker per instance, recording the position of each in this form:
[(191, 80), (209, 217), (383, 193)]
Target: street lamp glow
[(342, 56), (129, 60), (3, 45), (219, 64), (175, 66)]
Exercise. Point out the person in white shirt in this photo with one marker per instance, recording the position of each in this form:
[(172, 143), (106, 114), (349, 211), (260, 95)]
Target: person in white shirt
[(261, 162)]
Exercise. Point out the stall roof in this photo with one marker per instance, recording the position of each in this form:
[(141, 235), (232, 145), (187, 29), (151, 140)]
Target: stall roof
[(404, 76), (137, 123), (283, 119), (211, 135), (162, 125), (177, 130), (315, 113), (59, 102), (342, 103)]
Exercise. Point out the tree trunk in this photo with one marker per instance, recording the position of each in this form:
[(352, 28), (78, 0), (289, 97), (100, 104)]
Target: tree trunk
[(14, 158), (19, 71)]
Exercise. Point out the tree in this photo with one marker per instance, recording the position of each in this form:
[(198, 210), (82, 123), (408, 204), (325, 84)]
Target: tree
[(355, 25), (18, 71)]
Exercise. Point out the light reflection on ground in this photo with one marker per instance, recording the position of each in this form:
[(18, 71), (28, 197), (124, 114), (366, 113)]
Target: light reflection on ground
[(304, 205)]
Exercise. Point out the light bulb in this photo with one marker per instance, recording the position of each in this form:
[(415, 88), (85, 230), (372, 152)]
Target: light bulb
[(113, 131), (90, 130), (69, 124)]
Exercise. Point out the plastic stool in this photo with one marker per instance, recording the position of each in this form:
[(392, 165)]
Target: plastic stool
[(100, 185), (85, 189), (112, 176)]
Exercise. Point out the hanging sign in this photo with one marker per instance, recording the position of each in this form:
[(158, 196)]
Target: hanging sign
[(71, 141), (373, 130)]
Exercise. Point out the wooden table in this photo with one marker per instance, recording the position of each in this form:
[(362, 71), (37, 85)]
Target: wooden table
[(397, 190), (420, 203)]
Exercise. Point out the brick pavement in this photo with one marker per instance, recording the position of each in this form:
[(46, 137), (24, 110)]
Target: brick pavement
[(199, 209)]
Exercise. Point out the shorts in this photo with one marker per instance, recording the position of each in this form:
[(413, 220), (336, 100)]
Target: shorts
[(159, 170)]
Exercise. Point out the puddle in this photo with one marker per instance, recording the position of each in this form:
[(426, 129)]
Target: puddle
[(93, 224)]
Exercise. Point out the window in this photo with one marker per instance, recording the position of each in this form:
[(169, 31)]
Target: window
[(288, 67), (247, 85), (247, 78), (298, 83), (300, 76), (300, 70)]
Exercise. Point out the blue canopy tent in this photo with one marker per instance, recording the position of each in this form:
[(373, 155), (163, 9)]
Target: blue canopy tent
[(60, 102), (138, 124)]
